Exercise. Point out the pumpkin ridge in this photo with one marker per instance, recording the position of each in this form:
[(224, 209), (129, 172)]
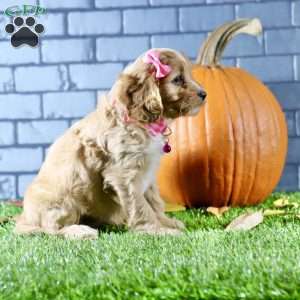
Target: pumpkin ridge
[(216, 163), (282, 132), (191, 153), (268, 98), (256, 137), (205, 142), (189, 185), (223, 165), (230, 129), (229, 201), (274, 125), (246, 169), (283, 142), (239, 161), (257, 153), (258, 145), (206, 128), (278, 119), (179, 167)]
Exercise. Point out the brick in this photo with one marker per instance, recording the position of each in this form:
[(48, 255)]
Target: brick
[(95, 76), (15, 56), (53, 23), (15, 106), (296, 12), (67, 50), (298, 123), (152, 20), (121, 48), (187, 43), (204, 17), (7, 187), (244, 45), (68, 105), (49, 4), (7, 133), (228, 62), (297, 67), (291, 124), (50, 78), (289, 179), (224, 1), (271, 14), (23, 183), (267, 68), (20, 159), (120, 3), (288, 94), (40, 132), (282, 41), (6, 80), (175, 2), (293, 150), (100, 22)]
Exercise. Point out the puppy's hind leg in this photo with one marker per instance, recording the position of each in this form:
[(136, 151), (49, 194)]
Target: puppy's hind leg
[(27, 229), (56, 221), (65, 222), (22, 227)]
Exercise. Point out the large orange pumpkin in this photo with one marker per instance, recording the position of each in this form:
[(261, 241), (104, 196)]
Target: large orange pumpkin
[(233, 151)]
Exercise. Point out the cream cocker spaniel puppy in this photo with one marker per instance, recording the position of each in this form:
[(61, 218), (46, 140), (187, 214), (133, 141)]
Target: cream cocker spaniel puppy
[(102, 170)]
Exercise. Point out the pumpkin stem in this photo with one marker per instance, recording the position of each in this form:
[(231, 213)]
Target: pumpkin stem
[(211, 51)]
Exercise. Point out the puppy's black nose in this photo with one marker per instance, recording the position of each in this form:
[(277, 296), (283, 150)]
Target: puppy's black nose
[(202, 94)]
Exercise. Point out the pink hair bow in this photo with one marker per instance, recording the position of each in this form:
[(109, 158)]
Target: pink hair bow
[(152, 57)]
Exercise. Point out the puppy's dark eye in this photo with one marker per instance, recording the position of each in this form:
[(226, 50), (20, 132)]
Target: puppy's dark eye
[(178, 80)]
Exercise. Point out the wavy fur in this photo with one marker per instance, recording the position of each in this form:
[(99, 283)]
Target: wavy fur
[(102, 170)]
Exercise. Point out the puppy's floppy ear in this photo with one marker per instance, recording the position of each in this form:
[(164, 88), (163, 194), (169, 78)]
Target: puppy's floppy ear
[(140, 94), (148, 96), (125, 86)]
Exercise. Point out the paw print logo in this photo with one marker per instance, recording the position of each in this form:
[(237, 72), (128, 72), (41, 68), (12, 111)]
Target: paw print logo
[(24, 34)]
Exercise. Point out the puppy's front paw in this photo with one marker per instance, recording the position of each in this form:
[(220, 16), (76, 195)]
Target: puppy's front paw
[(79, 232), (170, 231), (172, 223), (159, 230)]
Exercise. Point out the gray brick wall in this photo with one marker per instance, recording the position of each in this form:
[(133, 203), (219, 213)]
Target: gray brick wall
[(86, 44)]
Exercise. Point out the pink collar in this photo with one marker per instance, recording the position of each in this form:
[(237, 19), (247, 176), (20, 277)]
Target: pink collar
[(156, 128)]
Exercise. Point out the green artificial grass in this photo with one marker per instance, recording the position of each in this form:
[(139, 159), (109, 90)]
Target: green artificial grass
[(204, 263)]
